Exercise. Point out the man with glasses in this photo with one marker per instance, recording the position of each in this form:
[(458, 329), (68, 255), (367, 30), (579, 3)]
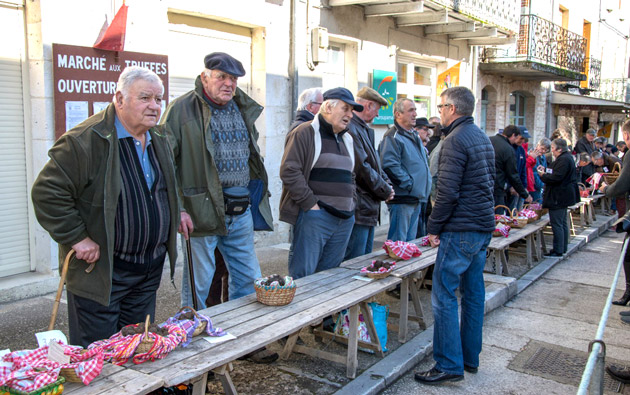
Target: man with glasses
[(405, 161), (461, 224), (308, 105), (372, 183)]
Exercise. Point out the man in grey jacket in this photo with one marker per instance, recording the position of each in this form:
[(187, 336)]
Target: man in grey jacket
[(404, 160)]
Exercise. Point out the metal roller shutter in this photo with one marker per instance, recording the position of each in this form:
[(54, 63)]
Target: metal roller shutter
[(14, 223)]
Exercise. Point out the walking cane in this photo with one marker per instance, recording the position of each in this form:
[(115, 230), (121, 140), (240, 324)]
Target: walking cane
[(62, 280), (191, 274)]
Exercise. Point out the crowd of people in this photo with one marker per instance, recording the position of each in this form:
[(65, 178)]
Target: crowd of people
[(119, 187)]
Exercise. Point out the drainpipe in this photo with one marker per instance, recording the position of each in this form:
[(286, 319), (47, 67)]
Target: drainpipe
[(293, 66)]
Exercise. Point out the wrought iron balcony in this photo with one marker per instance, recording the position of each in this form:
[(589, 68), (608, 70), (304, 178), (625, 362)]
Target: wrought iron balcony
[(616, 89), (547, 51), (594, 67)]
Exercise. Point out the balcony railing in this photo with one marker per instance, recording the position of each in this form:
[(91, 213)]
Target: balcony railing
[(616, 89), (543, 42), (501, 13), (594, 67)]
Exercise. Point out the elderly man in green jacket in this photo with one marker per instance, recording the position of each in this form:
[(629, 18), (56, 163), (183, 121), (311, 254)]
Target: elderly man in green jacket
[(221, 177), (109, 192)]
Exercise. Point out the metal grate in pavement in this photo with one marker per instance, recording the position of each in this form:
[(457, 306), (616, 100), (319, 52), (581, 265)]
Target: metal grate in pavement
[(558, 363)]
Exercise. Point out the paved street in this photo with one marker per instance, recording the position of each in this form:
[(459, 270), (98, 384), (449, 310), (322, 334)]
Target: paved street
[(560, 310)]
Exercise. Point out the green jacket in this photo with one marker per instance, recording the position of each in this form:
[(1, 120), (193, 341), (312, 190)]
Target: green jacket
[(187, 121), (76, 196)]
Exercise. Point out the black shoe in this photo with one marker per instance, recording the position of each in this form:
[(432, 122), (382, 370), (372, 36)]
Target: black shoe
[(434, 376), (619, 373), (552, 254), (625, 313), (625, 319), (623, 300), (470, 369)]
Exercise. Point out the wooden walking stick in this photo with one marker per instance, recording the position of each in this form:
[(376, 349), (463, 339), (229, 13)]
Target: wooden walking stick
[(62, 280), (191, 274)]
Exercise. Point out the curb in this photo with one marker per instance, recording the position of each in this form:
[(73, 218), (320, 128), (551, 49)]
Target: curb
[(500, 290), (385, 372)]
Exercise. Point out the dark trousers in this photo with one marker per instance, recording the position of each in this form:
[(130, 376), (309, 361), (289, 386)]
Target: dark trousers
[(132, 298), (219, 288), (499, 200), (560, 229)]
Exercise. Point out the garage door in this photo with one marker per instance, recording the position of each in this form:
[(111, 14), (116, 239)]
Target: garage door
[(192, 38), (14, 224)]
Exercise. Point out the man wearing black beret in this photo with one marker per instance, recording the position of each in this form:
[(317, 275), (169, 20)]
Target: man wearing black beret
[(218, 163)]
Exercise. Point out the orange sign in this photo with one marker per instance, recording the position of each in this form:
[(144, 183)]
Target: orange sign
[(448, 79)]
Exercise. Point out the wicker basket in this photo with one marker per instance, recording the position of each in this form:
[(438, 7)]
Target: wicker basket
[(534, 219), (202, 326), (507, 210), (584, 192), (146, 344), (518, 222), (52, 388), (613, 175), (275, 296), (70, 374), (496, 233)]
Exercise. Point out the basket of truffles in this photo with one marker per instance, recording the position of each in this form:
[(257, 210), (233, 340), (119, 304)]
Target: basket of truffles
[(379, 269), (275, 290)]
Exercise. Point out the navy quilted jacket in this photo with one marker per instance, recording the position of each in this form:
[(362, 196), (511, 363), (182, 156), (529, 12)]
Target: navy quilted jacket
[(465, 185)]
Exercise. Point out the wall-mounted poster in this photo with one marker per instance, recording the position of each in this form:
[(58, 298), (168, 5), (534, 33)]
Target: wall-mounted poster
[(85, 80), (448, 79), (384, 82)]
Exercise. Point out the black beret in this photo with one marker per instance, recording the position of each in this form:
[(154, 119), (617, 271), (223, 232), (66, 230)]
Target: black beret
[(224, 62)]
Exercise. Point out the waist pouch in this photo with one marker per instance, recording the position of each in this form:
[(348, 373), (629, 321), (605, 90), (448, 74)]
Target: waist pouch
[(235, 205)]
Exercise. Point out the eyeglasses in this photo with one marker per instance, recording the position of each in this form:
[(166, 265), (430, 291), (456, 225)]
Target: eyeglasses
[(316, 102), (439, 106)]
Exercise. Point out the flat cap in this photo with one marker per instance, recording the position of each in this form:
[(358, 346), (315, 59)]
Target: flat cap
[(591, 131), (368, 93), (224, 62), (344, 95)]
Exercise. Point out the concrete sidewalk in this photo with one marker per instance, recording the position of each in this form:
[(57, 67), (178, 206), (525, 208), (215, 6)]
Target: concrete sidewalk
[(537, 342)]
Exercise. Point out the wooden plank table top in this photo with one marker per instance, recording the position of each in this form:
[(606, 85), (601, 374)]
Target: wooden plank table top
[(256, 325), (517, 234), (115, 380)]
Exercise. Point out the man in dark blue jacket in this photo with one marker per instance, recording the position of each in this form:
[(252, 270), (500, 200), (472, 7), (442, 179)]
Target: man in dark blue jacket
[(461, 223)]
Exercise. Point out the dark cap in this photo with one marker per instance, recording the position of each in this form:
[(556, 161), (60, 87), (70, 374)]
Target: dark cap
[(344, 95), (224, 62), (524, 132), (368, 93), (591, 131), (423, 122)]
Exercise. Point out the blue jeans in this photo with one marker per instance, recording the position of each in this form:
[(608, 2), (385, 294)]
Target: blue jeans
[(237, 248), (403, 221), (361, 241), (459, 263), (560, 229), (319, 242), (536, 196)]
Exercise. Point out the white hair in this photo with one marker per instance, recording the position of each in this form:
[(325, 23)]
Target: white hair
[(328, 105), (307, 97), (133, 73)]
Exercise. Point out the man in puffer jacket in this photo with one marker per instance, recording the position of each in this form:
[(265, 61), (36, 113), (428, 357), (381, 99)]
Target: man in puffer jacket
[(461, 223)]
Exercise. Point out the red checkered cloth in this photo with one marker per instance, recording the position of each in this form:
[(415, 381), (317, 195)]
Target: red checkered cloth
[(118, 348), (424, 241), (31, 369), (402, 249), (87, 365)]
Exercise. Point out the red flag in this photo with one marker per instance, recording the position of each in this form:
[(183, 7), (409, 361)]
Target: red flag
[(114, 37)]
